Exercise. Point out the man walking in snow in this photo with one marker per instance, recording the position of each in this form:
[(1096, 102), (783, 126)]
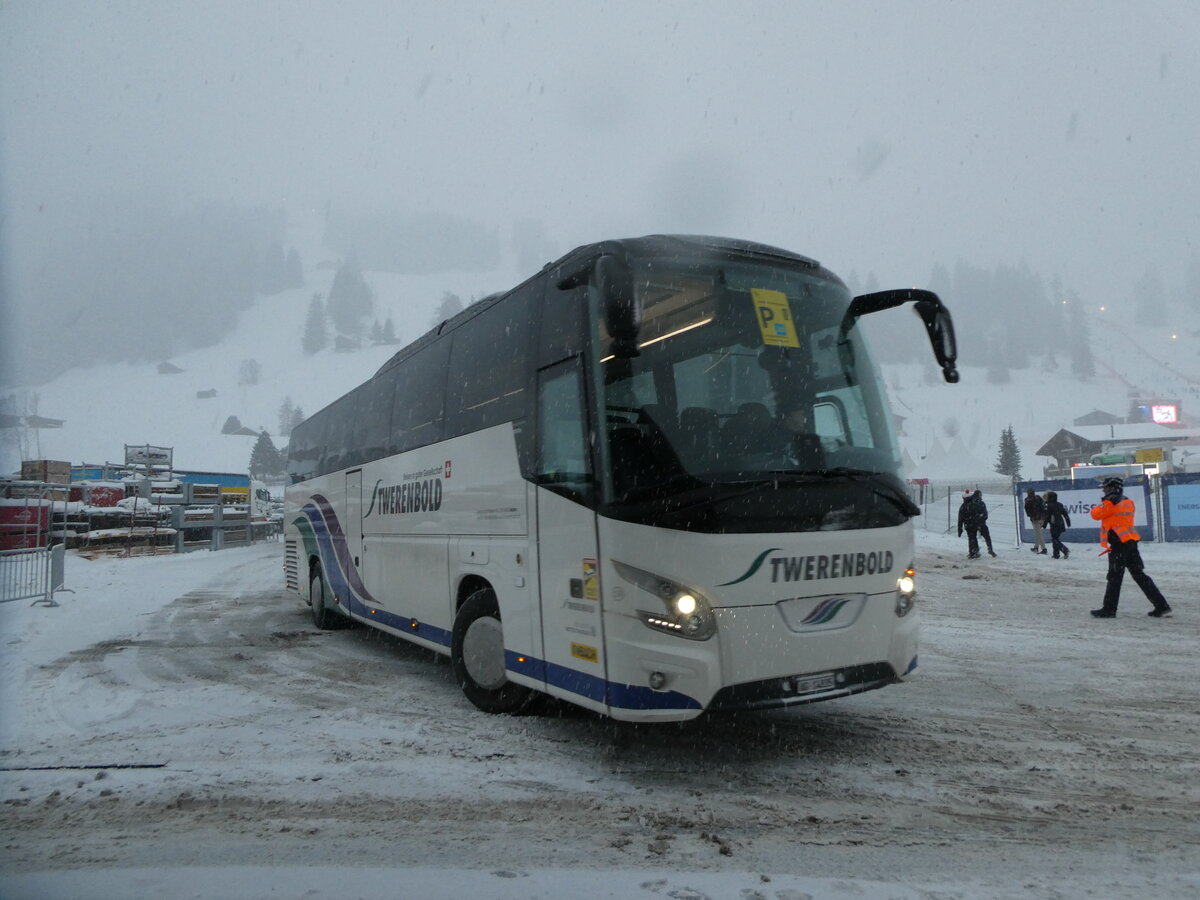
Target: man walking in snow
[(1035, 508), (1120, 541), (1059, 521), (972, 515)]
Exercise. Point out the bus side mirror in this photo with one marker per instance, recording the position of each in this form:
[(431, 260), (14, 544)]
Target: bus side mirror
[(614, 282), (940, 328), (938, 324), (622, 318)]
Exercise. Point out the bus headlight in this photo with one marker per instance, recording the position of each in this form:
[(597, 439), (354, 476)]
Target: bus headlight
[(684, 611), (906, 591)]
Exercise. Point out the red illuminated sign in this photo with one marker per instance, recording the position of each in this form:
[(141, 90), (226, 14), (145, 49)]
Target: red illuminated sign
[(1164, 413)]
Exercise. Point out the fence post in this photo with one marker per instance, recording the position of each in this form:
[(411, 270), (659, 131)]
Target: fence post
[(1158, 495), (177, 523), (1016, 495), (58, 566), (218, 527)]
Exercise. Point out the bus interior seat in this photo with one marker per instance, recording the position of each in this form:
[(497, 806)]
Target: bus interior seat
[(748, 430), (699, 428), (656, 414)]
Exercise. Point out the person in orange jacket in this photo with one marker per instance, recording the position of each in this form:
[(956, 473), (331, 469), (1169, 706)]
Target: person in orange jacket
[(1120, 540)]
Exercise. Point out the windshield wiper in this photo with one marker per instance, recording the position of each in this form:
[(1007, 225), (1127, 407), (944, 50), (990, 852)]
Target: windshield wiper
[(681, 490), (874, 481), (673, 487), (878, 484)]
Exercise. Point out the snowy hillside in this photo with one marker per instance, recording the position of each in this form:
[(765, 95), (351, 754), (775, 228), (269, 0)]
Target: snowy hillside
[(953, 431), (106, 407), (949, 431)]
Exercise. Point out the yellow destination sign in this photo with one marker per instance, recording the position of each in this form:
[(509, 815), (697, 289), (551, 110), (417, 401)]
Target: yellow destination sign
[(774, 318)]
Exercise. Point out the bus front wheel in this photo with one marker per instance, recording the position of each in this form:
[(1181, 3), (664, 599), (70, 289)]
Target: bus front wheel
[(477, 655)]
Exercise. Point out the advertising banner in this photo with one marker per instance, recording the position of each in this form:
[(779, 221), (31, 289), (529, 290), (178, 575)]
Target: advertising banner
[(145, 454), (1181, 507), (1079, 500)]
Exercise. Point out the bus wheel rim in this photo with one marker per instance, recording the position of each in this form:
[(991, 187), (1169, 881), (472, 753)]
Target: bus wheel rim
[(483, 653)]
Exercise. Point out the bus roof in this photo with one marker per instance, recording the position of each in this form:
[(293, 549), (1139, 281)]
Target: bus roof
[(686, 245)]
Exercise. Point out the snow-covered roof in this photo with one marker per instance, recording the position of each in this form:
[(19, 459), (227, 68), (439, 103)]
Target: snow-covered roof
[(1097, 417), (1137, 431)]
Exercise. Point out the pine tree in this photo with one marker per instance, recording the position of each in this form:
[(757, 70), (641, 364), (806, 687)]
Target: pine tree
[(1009, 460), (448, 307), (287, 412), (350, 298), (1083, 365), (316, 336), (249, 373), (1151, 299), (294, 276), (389, 331), (273, 274), (265, 458)]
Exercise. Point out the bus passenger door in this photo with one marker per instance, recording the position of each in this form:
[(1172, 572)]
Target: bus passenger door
[(569, 586), (354, 521)]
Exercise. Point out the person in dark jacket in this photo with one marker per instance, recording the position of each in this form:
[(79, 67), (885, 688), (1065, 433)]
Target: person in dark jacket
[(1120, 541), (972, 515), (1059, 521), (1035, 508)]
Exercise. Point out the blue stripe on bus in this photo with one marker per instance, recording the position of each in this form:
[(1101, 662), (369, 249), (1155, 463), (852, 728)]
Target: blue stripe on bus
[(635, 696), (595, 688), (327, 533), (405, 624)]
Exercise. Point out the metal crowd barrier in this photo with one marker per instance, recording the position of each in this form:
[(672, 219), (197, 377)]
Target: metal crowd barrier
[(30, 568)]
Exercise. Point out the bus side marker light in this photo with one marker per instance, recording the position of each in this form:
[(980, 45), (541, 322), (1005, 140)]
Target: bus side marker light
[(906, 591)]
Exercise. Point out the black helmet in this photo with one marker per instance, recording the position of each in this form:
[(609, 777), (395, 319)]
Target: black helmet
[(1114, 485)]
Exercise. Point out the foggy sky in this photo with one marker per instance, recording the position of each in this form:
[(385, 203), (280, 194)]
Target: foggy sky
[(876, 137)]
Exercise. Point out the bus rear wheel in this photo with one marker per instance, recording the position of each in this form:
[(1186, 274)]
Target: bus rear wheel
[(323, 617), (477, 655)]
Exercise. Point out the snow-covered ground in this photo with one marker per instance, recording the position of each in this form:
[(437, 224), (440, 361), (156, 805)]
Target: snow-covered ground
[(177, 728)]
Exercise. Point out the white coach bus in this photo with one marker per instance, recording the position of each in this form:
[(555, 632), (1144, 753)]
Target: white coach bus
[(657, 478)]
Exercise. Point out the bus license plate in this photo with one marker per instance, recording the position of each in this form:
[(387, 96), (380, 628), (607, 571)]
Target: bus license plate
[(807, 684)]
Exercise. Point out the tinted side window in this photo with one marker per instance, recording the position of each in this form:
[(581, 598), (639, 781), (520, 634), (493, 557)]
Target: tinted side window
[(488, 362), (337, 451), (372, 424), (562, 325), (562, 462), (417, 408), (304, 450)]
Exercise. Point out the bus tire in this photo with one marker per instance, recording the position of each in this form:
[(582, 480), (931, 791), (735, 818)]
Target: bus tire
[(323, 617), (477, 655)]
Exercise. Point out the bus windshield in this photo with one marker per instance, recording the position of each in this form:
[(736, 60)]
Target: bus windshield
[(742, 412)]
